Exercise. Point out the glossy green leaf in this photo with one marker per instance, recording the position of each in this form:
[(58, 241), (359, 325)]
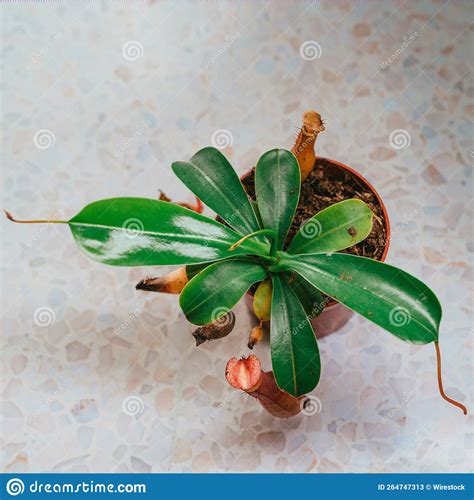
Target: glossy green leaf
[(295, 353), (143, 232), (391, 298), (257, 213), (212, 179), (335, 228), (277, 186), (214, 291), (193, 269), (311, 298)]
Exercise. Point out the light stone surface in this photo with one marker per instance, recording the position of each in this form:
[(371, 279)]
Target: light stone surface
[(98, 377)]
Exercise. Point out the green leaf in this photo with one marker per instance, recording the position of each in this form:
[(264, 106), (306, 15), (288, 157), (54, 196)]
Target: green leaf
[(143, 232), (295, 354), (214, 291), (194, 269), (257, 213), (335, 228), (212, 179), (277, 186), (390, 297), (311, 298)]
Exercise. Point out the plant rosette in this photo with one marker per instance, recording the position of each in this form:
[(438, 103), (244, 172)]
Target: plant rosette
[(223, 260), (332, 315)]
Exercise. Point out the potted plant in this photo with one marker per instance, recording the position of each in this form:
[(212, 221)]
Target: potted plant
[(292, 273)]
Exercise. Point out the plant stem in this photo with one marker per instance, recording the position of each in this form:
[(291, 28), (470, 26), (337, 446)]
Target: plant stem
[(273, 248), (279, 264), (40, 221), (440, 382)]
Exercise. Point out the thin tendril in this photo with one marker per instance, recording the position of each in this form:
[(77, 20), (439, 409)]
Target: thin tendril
[(41, 221), (440, 382)]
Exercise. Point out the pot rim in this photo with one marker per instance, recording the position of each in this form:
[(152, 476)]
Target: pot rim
[(377, 195)]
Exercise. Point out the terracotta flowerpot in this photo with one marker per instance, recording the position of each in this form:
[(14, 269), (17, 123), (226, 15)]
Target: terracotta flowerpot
[(335, 315)]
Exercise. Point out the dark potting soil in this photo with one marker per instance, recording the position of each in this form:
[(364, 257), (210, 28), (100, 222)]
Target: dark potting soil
[(328, 184)]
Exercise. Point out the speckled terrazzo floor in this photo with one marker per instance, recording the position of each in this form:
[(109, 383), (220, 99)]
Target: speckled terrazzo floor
[(98, 100)]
